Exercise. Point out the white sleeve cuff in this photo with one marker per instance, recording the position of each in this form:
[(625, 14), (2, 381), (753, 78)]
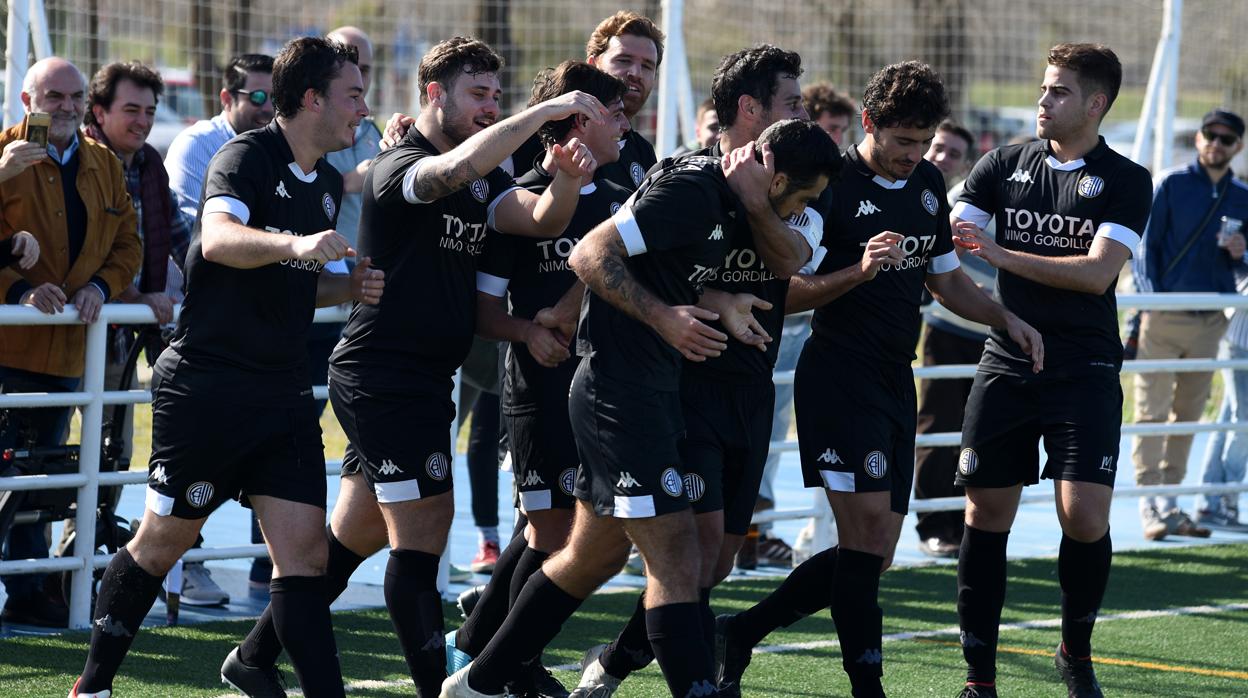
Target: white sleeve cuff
[(967, 212), (943, 264), (494, 285), (230, 205), (489, 210), (808, 224), (815, 260), (409, 183), (629, 232), (1121, 234)]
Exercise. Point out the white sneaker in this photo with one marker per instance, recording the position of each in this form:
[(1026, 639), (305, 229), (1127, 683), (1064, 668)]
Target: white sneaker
[(198, 588), (74, 693), (595, 681), (456, 686)]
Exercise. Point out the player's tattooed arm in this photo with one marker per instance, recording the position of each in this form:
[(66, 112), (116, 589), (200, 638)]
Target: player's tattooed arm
[(598, 260), (958, 293), (1092, 273)]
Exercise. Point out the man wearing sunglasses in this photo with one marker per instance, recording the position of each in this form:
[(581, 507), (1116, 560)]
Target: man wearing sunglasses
[(1192, 244)]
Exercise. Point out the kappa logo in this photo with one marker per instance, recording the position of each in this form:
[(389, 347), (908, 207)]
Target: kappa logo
[(532, 479), (389, 468), (438, 466), (626, 481), (871, 657), (199, 494), (1108, 464), (158, 475), (1091, 186), (695, 487), (969, 640), (636, 173), (672, 483), (480, 189), (866, 208), (717, 233), (108, 626), (1021, 176), (968, 462), (830, 457), (876, 464), (281, 192), (567, 480), (701, 688), (929, 201), (328, 206)]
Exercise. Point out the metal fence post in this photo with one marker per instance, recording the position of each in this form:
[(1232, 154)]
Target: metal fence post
[(89, 465)]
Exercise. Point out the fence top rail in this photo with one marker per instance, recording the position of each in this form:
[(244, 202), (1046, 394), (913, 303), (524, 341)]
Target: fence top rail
[(119, 313)]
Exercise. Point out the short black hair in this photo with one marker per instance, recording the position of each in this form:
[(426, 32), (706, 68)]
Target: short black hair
[(909, 95), (803, 151), (307, 63), (449, 59), (1097, 65), (569, 76), (235, 74), (103, 88), (754, 72), (951, 126)]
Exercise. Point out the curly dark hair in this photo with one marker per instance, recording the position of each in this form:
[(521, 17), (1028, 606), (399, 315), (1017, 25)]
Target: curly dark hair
[(307, 63), (458, 55), (822, 98), (103, 88), (909, 95), (754, 72), (1097, 65), (567, 77)]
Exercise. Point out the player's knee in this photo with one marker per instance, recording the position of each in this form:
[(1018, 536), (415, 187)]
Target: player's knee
[(1085, 528)]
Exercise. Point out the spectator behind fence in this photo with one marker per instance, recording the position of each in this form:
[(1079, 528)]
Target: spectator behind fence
[(246, 104), (1192, 244), (1228, 450), (706, 129), (834, 111), (72, 198)]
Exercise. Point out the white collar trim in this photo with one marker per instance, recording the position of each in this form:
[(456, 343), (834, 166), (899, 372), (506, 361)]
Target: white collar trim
[(899, 184), (589, 188), (298, 172), (1063, 166)]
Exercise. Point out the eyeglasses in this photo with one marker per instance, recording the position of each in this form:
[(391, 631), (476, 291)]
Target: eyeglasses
[(1226, 139), (256, 97)]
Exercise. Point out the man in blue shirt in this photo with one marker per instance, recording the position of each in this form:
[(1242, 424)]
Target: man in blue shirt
[(1185, 249)]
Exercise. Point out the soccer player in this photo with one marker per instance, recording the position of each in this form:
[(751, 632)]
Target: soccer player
[(726, 401), (1069, 212), (543, 290), (232, 401), (429, 203), (646, 267), (886, 236)]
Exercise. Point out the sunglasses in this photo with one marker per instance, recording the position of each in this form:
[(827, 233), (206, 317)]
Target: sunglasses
[(1226, 139), (256, 97)]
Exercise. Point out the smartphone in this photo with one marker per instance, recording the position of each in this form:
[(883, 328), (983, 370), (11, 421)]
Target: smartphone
[(35, 128)]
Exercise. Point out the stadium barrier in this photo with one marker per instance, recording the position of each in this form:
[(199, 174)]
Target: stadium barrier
[(92, 398)]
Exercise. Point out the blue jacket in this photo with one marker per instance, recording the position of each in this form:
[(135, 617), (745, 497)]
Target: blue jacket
[(1180, 202)]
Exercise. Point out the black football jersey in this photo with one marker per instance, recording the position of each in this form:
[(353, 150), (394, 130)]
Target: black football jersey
[(880, 319), (256, 319), (636, 158), (420, 332), (1046, 207), (534, 274), (678, 228)]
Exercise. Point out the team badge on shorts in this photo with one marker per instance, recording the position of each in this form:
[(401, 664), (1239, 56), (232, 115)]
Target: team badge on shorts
[(567, 480), (876, 464), (695, 487), (438, 466), (199, 494), (929, 202), (635, 171), (480, 189), (968, 462), (672, 484), (330, 208), (1091, 186)]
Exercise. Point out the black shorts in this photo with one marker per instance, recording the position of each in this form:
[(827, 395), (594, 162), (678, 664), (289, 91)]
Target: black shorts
[(727, 436), (544, 457), (400, 442), (855, 423), (225, 435), (627, 439), (1078, 418)]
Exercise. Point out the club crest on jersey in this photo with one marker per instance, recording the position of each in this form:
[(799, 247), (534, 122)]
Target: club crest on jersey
[(1091, 186), (636, 173), (695, 487), (438, 466), (199, 494), (671, 482), (480, 189), (876, 464), (968, 462), (328, 205), (929, 202), (567, 480)]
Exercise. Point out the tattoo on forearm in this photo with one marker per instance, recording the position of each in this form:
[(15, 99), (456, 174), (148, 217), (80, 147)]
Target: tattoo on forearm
[(618, 286), (436, 182)]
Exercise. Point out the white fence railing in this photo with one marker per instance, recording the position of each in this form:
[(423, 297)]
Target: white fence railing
[(92, 398)]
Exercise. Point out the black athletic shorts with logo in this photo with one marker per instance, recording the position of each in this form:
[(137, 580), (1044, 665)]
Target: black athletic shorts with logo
[(401, 442), (1078, 418), (221, 434), (855, 422), (727, 436), (544, 457), (627, 437)]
